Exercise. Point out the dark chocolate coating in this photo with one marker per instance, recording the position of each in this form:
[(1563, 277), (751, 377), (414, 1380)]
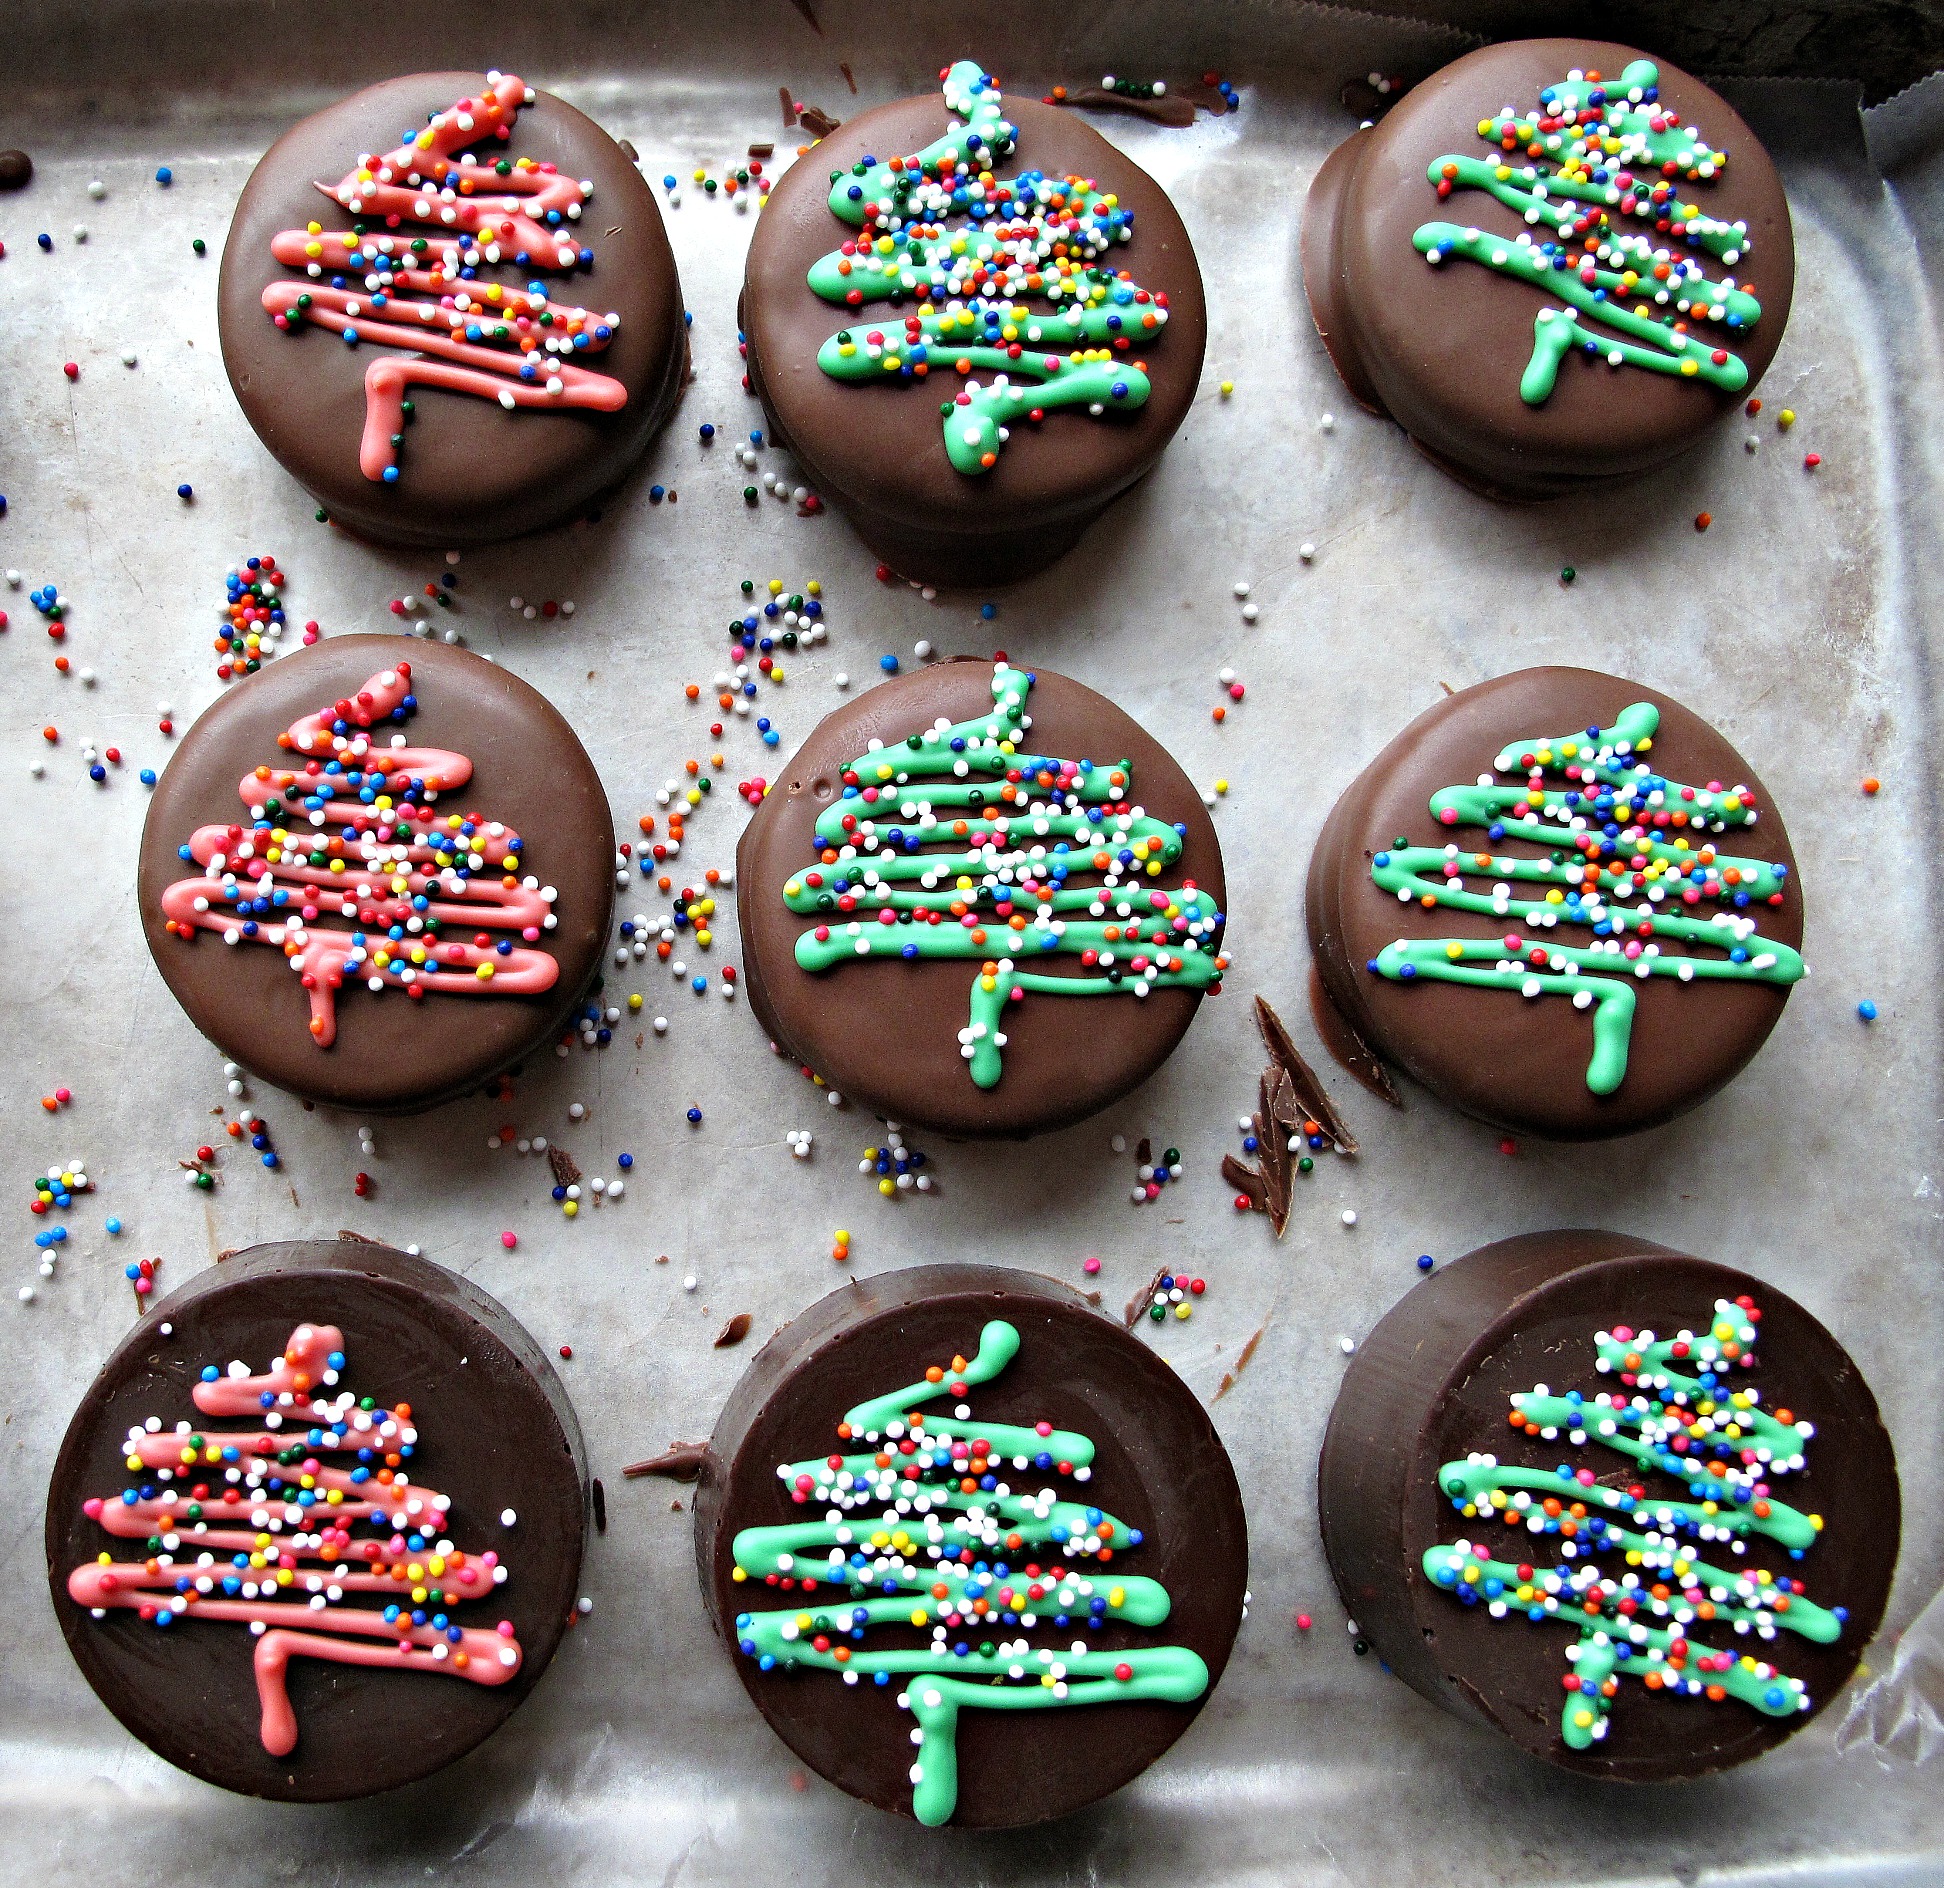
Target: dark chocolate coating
[(885, 1032), (470, 472), (393, 1054), (1516, 1063), (1431, 1385), (1160, 1467), (1441, 349), (495, 1431), (879, 451)]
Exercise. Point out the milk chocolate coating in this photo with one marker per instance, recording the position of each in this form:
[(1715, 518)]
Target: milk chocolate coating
[(1518, 1063), (393, 1054), (884, 1031), (879, 450), (1431, 1384), (1441, 349), (496, 1431), (1160, 1467), (469, 471)]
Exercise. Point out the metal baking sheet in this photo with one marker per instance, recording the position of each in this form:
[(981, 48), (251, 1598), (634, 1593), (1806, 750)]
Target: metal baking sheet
[(1803, 622)]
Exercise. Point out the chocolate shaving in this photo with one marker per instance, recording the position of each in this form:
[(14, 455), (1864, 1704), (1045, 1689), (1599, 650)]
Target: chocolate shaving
[(1139, 1303), (734, 1331), (789, 107), (1247, 1351), (630, 153), (1245, 1180), (1305, 1084), (844, 67), (566, 1171), (1144, 1152), (1349, 1048), (766, 149), (1169, 109), (803, 7), (680, 1462), (820, 124), (357, 1238), (599, 1497)]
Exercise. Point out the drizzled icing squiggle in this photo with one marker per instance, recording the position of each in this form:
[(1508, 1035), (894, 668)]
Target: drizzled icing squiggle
[(353, 831), (945, 1552), (1597, 153), (422, 293), (1020, 828), (1704, 1432), (1615, 830), (252, 1526), (1027, 236)]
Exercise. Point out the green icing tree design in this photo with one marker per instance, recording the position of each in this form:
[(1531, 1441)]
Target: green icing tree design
[(972, 253), (927, 1528), (1642, 1623), (1020, 831), (1596, 153), (1615, 830)]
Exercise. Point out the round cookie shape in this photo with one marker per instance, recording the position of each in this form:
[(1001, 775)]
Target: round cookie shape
[(967, 1012), (438, 1438), (513, 357), (1526, 371), (1745, 1569), (484, 937), (943, 498), (1084, 1496), (1541, 999)]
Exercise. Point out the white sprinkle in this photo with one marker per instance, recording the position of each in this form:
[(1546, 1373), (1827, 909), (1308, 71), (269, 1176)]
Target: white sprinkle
[(1349, 1216), (1307, 552), (1346, 1345), (1241, 588), (1327, 424), (688, 1284), (507, 1517), (97, 189)]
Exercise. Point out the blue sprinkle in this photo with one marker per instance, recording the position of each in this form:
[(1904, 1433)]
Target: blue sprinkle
[(165, 175), (1425, 1261), (1867, 1010), (889, 664), (114, 1226), (695, 1116), (185, 491), (624, 1161)]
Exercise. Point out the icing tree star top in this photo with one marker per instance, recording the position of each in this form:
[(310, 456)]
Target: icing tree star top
[(252, 1527), (375, 282), (354, 831), (1596, 154), (1030, 237), (1679, 1411)]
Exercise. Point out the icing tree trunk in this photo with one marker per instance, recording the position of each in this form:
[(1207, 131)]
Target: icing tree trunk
[(382, 283), (1598, 183), (353, 830), (927, 1526), (972, 253), (1650, 1612), (252, 1526), (1662, 853), (1019, 832)]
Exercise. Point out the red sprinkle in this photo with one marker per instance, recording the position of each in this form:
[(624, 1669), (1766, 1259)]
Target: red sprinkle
[(71, 370)]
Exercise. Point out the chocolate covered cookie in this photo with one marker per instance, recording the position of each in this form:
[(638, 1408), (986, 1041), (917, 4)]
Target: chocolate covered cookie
[(316, 1529), (978, 1553), (971, 358), (1561, 901), (309, 852), (1544, 263), (942, 873), (1634, 1510), (401, 309)]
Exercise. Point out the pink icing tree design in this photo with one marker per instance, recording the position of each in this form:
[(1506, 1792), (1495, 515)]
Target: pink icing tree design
[(355, 832), (381, 281), (252, 1526)]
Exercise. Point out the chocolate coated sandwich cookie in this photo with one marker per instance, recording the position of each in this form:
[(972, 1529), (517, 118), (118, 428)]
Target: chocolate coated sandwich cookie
[(975, 323), (1554, 262), (316, 1529), (977, 1552), (1561, 901), (980, 899), (449, 309), (372, 818), (1633, 1510)]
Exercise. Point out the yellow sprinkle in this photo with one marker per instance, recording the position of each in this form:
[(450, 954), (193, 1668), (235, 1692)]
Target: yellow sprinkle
[(1228, 387), (1786, 418)]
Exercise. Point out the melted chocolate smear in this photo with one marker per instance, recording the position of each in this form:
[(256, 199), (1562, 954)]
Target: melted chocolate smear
[(1307, 1087), (680, 1462), (1358, 1058), (1247, 1351), (734, 1331), (1169, 109)]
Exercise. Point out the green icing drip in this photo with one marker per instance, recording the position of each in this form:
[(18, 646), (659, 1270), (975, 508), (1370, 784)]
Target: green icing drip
[(1020, 828), (1585, 874), (951, 1560), (1704, 1432), (1601, 161), (966, 247)]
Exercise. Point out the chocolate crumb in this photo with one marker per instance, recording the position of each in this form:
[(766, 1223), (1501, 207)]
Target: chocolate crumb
[(599, 1495), (734, 1331)]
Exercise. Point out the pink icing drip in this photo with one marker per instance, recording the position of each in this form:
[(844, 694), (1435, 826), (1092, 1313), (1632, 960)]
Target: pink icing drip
[(294, 1628), (502, 213), (369, 890)]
